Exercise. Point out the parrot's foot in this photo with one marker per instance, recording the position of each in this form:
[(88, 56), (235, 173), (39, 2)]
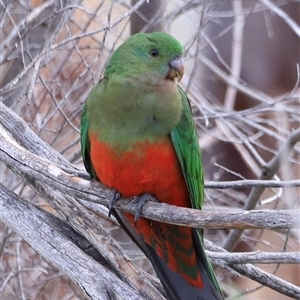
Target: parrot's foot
[(141, 200), (114, 197)]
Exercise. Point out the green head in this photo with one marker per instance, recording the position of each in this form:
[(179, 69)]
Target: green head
[(138, 98), (158, 54)]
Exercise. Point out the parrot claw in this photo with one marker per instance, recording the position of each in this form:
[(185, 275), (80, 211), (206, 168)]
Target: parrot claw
[(113, 198), (141, 200)]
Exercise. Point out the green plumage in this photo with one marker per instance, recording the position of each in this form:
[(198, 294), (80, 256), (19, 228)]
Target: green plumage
[(137, 100), (185, 141)]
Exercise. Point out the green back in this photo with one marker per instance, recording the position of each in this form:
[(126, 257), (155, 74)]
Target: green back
[(85, 143)]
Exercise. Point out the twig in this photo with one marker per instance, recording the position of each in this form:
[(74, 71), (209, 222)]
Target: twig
[(43, 53), (19, 268), (236, 56), (257, 257), (258, 275), (251, 183), (251, 92), (268, 172), (11, 38), (282, 14)]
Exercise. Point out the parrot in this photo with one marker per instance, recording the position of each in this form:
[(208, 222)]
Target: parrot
[(138, 138)]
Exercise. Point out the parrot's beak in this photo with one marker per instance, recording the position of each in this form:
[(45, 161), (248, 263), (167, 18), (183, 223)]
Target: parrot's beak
[(176, 69)]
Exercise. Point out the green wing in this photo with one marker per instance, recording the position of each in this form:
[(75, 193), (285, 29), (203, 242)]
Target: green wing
[(85, 143), (186, 144)]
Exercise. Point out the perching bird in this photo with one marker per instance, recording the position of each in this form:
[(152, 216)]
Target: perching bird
[(138, 137)]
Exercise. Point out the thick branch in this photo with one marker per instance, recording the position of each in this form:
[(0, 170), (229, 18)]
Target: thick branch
[(37, 170), (45, 234), (70, 208), (21, 132), (66, 193)]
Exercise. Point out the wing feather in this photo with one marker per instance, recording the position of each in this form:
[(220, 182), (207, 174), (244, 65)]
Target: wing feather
[(185, 141)]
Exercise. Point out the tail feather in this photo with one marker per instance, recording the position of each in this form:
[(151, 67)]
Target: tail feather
[(179, 289), (176, 287), (205, 266)]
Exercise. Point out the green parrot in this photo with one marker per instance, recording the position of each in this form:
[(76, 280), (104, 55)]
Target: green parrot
[(138, 138)]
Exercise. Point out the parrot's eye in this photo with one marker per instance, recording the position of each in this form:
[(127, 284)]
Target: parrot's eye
[(154, 53)]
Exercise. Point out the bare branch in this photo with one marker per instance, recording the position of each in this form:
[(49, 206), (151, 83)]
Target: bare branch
[(257, 257), (72, 210), (44, 233), (251, 92), (54, 51), (42, 172), (10, 40), (20, 131), (237, 46), (43, 53), (257, 274), (251, 183), (277, 10), (268, 172), (148, 17)]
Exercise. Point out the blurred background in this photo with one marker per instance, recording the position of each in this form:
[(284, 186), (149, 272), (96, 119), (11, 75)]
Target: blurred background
[(242, 77)]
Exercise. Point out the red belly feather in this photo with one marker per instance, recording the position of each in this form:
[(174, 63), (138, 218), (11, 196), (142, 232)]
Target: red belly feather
[(151, 168)]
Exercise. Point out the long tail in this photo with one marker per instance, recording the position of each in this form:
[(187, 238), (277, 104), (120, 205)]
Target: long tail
[(177, 287)]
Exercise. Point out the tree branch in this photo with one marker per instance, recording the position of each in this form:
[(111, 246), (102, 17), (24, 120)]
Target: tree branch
[(43, 53), (257, 274), (283, 15), (45, 234), (257, 257), (268, 172), (71, 209), (68, 193), (254, 132), (21, 132), (251, 183), (39, 171)]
